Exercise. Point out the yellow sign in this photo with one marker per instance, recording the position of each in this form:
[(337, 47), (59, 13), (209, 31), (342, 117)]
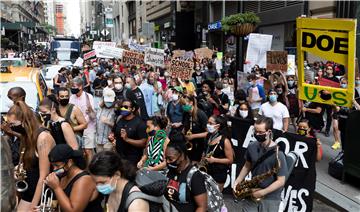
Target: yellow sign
[(333, 40)]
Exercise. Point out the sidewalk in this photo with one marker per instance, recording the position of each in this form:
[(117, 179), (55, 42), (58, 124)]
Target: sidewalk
[(342, 195)]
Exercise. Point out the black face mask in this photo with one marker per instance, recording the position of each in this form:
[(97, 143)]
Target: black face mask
[(260, 138), (75, 90), (117, 112), (46, 117), (18, 129), (64, 102), (152, 133)]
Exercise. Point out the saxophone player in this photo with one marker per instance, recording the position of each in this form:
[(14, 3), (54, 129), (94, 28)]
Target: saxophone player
[(261, 158)]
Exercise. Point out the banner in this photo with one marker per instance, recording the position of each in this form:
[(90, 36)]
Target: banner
[(137, 47), (202, 53), (132, 58), (99, 44), (300, 187), (258, 45), (333, 40), (276, 61), (89, 55), (109, 52), (154, 57), (181, 69)]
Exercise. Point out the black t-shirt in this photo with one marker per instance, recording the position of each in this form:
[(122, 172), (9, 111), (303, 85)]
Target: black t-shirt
[(179, 194), (198, 78), (222, 99), (315, 119), (141, 103), (136, 129), (211, 75)]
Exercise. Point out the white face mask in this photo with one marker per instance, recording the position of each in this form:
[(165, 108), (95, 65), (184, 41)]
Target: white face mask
[(118, 86), (175, 97), (244, 113), (210, 128), (109, 82)]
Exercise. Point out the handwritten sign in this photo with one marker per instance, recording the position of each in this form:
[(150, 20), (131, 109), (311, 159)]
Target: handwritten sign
[(137, 47), (99, 44), (178, 53), (109, 51), (276, 61), (132, 58), (181, 68), (202, 53), (154, 57)]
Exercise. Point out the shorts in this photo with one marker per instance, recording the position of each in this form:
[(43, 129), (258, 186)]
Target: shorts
[(104, 147), (88, 140)]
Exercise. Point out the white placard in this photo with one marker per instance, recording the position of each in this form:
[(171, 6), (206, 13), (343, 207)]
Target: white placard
[(79, 62), (258, 45), (137, 47), (109, 52), (99, 44), (154, 57), (291, 65)]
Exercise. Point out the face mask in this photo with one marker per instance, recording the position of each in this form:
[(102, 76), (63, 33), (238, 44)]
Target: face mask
[(272, 98), (175, 97), (125, 112), (18, 129), (279, 92), (46, 118), (186, 108), (108, 104), (173, 166), (244, 113), (75, 90), (152, 132), (106, 189), (117, 112), (109, 82), (210, 128), (128, 86), (343, 85), (187, 81), (260, 138), (302, 131), (60, 172), (290, 83), (357, 82), (64, 102), (118, 86)]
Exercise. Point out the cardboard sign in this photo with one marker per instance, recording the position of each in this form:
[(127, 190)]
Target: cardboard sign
[(178, 53), (109, 52), (154, 57), (202, 53), (181, 69), (333, 40), (132, 58), (89, 55), (99, 44), (276, 61), (258, 45)]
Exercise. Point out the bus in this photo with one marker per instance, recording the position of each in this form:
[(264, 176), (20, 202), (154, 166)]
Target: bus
[(65, 50)]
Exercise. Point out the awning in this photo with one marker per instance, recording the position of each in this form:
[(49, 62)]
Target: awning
[(11, 26)]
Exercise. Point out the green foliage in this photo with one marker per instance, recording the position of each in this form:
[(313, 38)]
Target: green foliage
[(240, 18)]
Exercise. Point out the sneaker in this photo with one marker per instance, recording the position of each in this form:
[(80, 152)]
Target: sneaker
[(336, 145)]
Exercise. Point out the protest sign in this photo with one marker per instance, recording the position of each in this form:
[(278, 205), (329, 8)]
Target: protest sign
[(202, 53), (79, 62), (137, 47), (327, 82), (291, 65), (132, 58), (181, 68), (219, 55), (99, 44), (154, 57), (300, 187), (276, 61), (189, 55), (333, 40), (258, 45), (109, 52), (89, 55), (178, 53)]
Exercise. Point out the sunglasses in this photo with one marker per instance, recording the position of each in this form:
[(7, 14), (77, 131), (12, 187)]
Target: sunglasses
[(125, 106)]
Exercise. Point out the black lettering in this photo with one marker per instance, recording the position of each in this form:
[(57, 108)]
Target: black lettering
[(329, 44), (312, 37), (341, 43)]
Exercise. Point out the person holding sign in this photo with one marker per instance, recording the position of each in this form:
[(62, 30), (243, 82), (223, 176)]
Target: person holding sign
[(262, 156)]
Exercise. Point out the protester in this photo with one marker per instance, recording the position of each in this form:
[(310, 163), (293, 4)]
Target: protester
[(98, 85), (60, 80), (113, 176), (219, 152), (357, 89), (304, 129), (256, 95), (105, 118), (211, 74), (154, 155), (277, 111), (131, 84), (293, 100), (59, 128), (73, 187), (243, 111), (197, 77), (85, 102), (149, 87), (204, 97), (195, 121), (37, 143), (174, 110), (220, 101), (313, 112), (130, 133), (269, 189), (177, 191)]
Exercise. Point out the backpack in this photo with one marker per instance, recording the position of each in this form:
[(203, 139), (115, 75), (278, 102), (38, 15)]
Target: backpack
[(215, 198), (152, 185)]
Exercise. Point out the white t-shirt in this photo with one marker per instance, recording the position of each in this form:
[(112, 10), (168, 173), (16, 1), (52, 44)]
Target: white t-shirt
[(277, 112), (255, 95)]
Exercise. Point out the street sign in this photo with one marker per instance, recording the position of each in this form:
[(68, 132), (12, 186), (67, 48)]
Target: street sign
[(93, 32), (109, 22), (105, 32)]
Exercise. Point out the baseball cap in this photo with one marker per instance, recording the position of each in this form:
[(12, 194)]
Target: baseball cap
[(62, 153), (109, 95)]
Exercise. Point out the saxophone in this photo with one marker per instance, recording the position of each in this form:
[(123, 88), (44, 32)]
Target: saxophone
[(189, 145), (20, 174), (245, 188), (202, 165)]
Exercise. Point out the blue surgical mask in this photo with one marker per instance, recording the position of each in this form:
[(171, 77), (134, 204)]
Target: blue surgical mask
[(106, 189), (108, 104), (273, 98), (357, 82), (343, 85), (291, 83)]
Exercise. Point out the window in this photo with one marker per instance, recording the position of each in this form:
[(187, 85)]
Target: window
[(140, 2), (122, 10), (140, 21)]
